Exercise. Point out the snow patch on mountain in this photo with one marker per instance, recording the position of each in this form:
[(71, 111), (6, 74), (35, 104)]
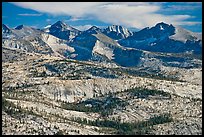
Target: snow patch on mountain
[(48, 26), (161, 28)]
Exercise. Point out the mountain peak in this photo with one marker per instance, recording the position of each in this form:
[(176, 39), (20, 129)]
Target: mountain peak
[(117, 32), (163, 26), (20, 27), (24, 27), (114, 27), (162, 23), (59, 24), (93, 28), (5, 28), (61, 30)]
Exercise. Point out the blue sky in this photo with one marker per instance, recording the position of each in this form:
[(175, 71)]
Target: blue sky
[(82, 15)]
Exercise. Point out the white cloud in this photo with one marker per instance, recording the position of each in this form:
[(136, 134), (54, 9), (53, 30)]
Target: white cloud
[(48, 20), (128, 14), (75, 19), (182, 7), (28, 14), (189, 23)]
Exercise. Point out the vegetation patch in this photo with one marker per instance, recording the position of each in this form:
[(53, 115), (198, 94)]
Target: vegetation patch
[(104, 106), (136, 128), (147, 74), (144, 93)]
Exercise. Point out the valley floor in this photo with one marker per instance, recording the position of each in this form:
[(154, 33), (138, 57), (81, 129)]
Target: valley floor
[(50, 95)]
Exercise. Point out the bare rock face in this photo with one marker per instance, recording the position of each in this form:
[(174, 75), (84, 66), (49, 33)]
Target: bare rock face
[(117, 32), (67, 90)]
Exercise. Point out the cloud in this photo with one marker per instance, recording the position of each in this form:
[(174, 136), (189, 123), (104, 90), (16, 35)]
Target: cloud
[(48, 20), (183, 6), (75, 19), (187, 7), (28, 14), (74, 9), (128, 14), (189, 23)]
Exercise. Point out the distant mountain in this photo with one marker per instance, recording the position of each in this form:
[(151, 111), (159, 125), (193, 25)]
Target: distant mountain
[(117, 32), (19, 32), (33, 40), (62, 31), (153, 47), (92, 30), (164, 38), (5, 29), (85, 42), (93, 45)]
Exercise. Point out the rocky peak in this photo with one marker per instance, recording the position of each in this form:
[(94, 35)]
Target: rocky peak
[(5, 29), (20, 27), (93, 29), (119, 29), (164, 27), (59, 25)]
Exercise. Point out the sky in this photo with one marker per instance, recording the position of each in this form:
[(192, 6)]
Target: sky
[(83, 15)]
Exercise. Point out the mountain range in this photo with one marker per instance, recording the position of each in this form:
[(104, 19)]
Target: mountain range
[(162, 44)]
